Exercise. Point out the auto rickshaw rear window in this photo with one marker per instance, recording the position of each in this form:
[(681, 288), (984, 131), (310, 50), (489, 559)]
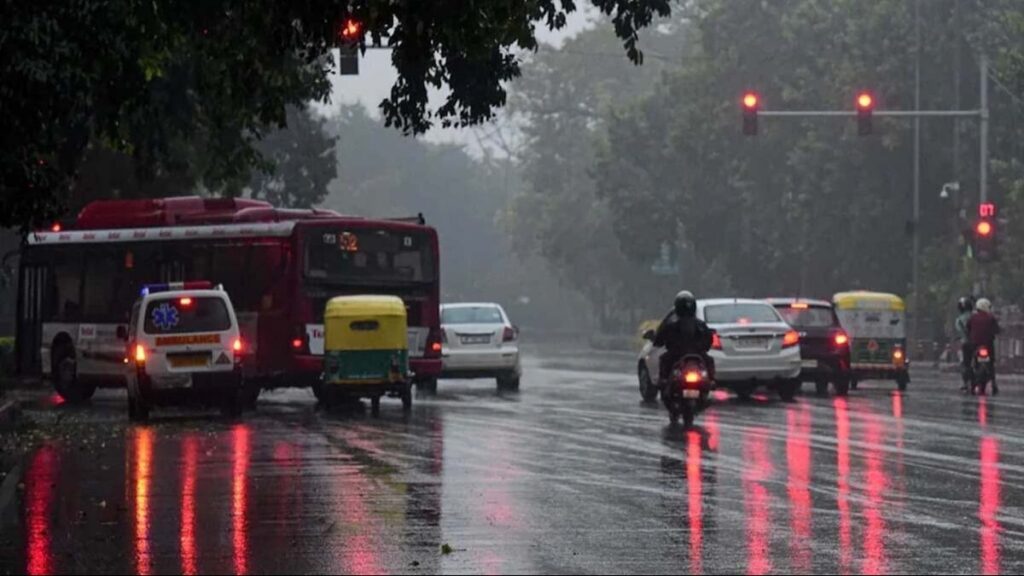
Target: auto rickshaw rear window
[(186, 315)]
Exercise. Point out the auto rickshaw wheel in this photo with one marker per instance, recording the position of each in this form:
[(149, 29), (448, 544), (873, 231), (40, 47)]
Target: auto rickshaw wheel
[(902, 380), (407, 398), (375, 406), (842, 385)]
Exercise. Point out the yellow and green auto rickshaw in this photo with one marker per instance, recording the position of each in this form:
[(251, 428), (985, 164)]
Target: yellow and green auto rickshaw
[(366, 352), (876, 324)]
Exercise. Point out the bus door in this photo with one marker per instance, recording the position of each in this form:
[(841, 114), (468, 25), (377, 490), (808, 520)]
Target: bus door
[(33, 288)]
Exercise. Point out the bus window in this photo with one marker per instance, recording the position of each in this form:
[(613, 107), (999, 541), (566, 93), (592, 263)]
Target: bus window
[(98, 291), (65, 303)]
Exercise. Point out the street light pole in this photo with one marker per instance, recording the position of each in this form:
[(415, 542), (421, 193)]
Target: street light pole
[(917, 172)]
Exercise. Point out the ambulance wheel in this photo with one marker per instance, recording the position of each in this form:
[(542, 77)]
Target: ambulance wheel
[(138, 410), (233, 404), (375, 406), (407, 399)]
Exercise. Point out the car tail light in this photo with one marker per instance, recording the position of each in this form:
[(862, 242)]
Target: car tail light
[(790, 339), (140, 354), (983, 352), (433, 348), (841, 339), (716, 342), (238, 346), (509, 335)]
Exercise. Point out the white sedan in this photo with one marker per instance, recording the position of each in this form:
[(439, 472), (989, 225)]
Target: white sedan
[(753, 345), (479, 341)]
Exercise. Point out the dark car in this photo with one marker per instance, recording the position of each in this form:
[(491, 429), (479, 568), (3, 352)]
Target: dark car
[(824, 346)]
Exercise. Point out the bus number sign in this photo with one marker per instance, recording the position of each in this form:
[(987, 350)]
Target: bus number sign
[(987, 210), (346, 241)]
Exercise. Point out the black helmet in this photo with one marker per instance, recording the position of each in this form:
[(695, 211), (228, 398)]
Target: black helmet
[(685, 304), (965, 304)]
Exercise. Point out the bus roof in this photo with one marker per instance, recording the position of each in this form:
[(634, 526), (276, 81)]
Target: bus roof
[(865, 299), (184, 211)]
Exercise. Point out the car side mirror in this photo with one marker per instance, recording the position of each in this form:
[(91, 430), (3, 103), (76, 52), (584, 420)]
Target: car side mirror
[(649, 335), (122, 333)]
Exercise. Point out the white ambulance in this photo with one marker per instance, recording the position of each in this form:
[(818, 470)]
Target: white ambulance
[(184, 346)]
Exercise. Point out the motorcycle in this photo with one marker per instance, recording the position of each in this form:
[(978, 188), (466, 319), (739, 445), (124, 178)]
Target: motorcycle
[(982, 371), (685, 393)]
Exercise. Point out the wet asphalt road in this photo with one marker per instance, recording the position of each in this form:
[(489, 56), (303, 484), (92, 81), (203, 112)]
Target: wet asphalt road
[(573, 474)]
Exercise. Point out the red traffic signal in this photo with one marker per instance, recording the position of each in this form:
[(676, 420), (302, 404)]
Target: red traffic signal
[(750, 102), (351, 30), (984, 228), (865, 104)]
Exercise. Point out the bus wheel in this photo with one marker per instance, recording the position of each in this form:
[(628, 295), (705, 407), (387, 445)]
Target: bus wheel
[(64, 372), (375, 406)]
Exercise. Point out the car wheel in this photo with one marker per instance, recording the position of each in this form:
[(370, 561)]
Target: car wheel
[(508, 383), (821, 387), (842, 385), (427, 386), (648, 391), (787, 390), (64, 372)]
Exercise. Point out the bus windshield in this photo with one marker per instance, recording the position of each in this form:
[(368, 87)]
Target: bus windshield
[(368, 255)]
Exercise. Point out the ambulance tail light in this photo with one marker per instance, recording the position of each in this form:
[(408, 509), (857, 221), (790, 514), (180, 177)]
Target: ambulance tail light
[(140, 355)]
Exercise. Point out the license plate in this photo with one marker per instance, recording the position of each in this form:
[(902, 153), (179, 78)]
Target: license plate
[(689, 393), (809, 363), (476, 339), (756, 342), (190, 361)]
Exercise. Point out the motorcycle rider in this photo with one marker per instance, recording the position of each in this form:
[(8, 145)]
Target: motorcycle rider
[(681, 334), (965, 307), (982, 329)]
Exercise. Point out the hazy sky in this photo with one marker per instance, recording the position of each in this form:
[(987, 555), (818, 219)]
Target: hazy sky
[(376, 76)]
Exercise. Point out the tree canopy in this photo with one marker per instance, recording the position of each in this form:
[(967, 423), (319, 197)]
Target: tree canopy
[(143, 77)]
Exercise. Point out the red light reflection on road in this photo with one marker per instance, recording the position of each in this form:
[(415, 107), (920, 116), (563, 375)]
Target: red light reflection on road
[(988, 505), (240, 498), (695, 492), (798, 459), (983, 411), (843, 482), (876, 485), (897, 405), (42, 472), (757, 454), (190, 452), (143, 441)]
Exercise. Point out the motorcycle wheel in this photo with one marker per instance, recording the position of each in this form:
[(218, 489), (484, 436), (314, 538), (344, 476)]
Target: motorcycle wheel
[(688, 415)]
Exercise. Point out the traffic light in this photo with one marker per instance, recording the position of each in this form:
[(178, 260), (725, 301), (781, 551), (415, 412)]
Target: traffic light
[(751, 102), (984, 238), (865, 105), (351, 30), (350, 35)]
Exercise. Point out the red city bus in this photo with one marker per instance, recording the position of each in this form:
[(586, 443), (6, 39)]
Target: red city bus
[(78, 282)]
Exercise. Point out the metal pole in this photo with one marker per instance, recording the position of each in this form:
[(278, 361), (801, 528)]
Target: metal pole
[(983, 161), (917, 171)]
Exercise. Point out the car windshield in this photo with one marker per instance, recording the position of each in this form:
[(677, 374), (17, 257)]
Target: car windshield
[(184, 314), (739, 313), (472, 315), (810, 317)]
